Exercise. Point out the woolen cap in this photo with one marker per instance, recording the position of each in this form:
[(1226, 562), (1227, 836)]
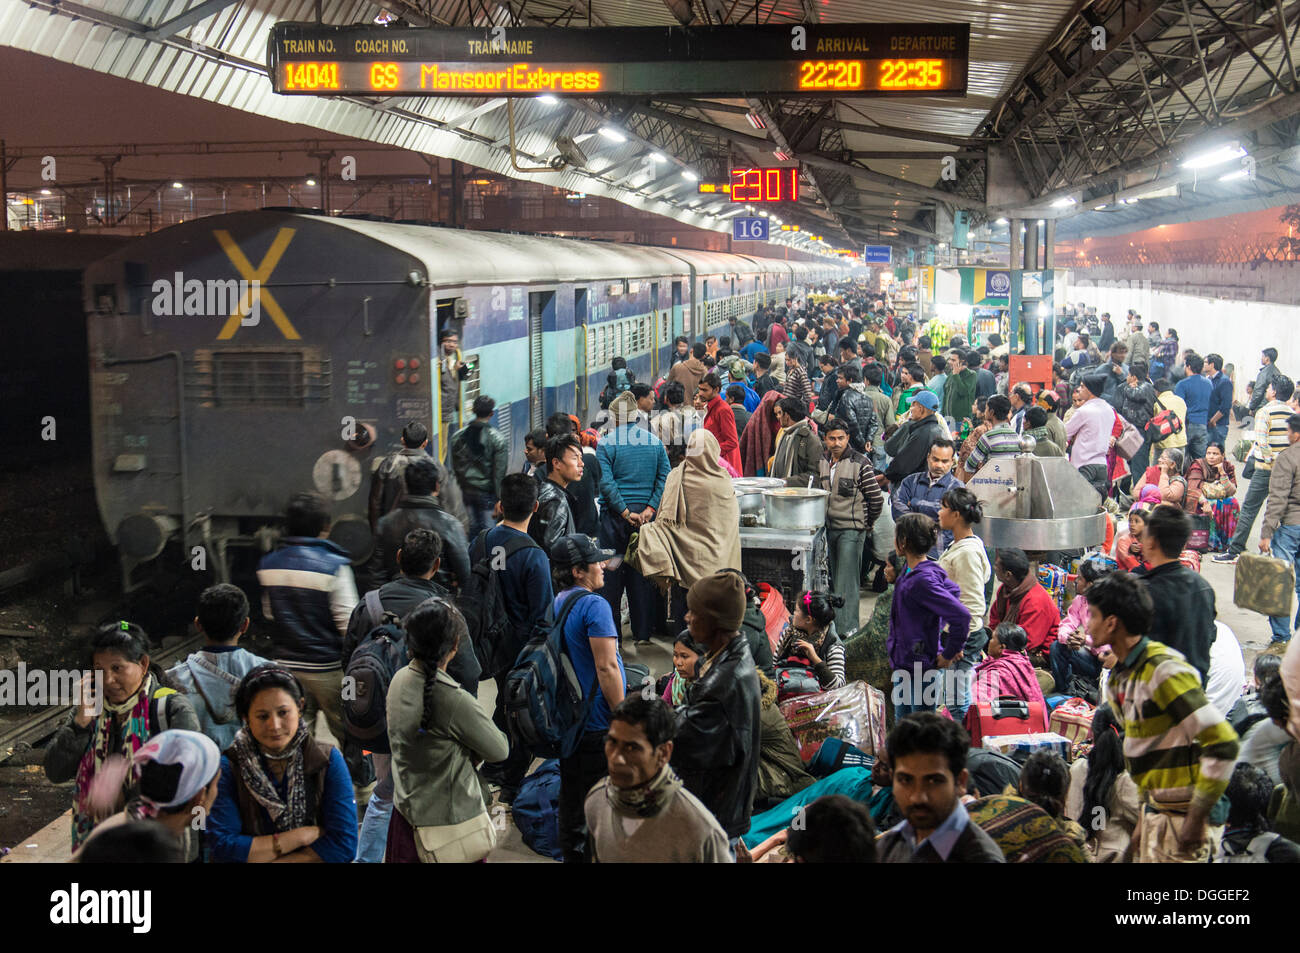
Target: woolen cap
[(719, 600), (1096, 384), (188, 760)]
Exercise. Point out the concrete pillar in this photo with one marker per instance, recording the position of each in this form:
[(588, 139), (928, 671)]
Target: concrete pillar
[(1015, 244), (1031, 244), (1049, 244)]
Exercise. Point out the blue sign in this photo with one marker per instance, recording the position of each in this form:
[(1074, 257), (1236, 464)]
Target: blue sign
[(997, 284), (878, 255), (749, 229)]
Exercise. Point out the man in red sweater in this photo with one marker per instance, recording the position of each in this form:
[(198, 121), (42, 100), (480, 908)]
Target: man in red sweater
[(1023, 601), (720, 421)]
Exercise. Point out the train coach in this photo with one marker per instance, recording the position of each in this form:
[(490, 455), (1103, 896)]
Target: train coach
[(240, 358)]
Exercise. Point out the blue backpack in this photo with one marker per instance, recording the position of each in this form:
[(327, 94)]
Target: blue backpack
[(546, 706), (751, 398), (536, 810)]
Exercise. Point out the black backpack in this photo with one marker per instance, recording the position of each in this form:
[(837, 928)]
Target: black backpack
[(368, 675), (482, 604)]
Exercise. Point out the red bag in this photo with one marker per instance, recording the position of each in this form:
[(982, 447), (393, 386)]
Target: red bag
[(1191, 559), (1007, 715)]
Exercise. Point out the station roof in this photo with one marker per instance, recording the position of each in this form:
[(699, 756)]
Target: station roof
[(1071, 104)]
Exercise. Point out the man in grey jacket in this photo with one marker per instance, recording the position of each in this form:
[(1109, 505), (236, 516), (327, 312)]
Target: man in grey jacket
[(1280, 534), (1268, 371)]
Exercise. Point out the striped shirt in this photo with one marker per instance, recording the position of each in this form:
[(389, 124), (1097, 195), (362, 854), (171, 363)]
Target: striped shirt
[(797, 384), (1179, 749), (1270, 434), (831, 673), (1001, 439)]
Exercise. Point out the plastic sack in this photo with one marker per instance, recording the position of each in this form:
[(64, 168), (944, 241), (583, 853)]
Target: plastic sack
[(854, 714), (1264, 584)]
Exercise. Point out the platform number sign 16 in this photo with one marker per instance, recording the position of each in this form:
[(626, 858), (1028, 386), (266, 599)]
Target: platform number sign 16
[(749, 229)]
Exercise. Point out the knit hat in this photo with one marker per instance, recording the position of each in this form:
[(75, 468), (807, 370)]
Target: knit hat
[(1096, 384), (719, 600), (623, 408)]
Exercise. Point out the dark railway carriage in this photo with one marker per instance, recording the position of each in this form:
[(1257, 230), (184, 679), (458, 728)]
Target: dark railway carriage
[(204, 423)]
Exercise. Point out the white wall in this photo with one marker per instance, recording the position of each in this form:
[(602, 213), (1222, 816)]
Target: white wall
[(1238, 330)]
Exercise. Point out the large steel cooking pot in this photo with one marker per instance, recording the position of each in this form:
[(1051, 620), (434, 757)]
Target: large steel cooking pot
[(795, 508), (749, 492)]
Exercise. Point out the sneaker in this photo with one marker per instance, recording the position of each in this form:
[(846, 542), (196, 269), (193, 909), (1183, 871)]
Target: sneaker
[(1228, 557)]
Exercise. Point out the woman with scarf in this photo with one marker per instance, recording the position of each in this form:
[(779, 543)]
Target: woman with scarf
[(1211, 490), (1006, 672), (438, 733), (686, 655), (283, 797), (136, 705), (1167, 477), (759, 438), (1128, 545), (695, 533), (810, 639)]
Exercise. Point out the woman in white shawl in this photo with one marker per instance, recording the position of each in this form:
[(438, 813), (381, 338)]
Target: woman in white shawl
[(697, 530)]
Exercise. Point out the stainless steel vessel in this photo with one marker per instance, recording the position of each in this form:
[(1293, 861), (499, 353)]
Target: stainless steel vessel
[(795, 507), (1038, 504), (749, 492)]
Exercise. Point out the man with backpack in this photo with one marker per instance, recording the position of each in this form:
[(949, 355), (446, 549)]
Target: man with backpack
[(479, 456), (422, 508), (591, 641), (374, 648), (210, 676), (386, 484), (515, 593)]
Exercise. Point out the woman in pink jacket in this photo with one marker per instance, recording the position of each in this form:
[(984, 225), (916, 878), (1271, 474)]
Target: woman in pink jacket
[(1072, 652)]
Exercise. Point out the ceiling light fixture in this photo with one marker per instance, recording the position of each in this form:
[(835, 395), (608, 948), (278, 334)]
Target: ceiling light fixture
[(1225, 153), (612, 134), (546, 99), (756, 120), (690, 176), (1064, 202)]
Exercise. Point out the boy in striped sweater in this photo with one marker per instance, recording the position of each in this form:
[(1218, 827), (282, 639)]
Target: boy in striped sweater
[(1178, 748)]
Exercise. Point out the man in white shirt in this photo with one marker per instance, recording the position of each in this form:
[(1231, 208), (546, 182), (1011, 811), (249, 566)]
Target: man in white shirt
[(1088, 431)]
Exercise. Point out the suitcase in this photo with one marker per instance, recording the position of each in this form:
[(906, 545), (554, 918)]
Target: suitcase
[(1006, 716), (1020, 747), (1072, 720), (1265, 585)]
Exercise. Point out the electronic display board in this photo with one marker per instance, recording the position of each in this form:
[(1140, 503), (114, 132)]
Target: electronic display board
[(765, 185), (864, 59)]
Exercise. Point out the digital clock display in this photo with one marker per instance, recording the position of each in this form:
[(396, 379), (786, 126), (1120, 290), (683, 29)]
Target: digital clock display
[(876, 75), (765, 185)]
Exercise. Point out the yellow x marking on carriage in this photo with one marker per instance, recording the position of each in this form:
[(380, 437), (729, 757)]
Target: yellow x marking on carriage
[(260, 275)]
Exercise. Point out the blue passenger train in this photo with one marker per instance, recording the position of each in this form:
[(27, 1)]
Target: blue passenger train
[(240, 358)]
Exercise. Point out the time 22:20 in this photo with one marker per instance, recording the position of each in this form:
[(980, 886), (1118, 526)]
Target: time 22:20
[(830, 74)]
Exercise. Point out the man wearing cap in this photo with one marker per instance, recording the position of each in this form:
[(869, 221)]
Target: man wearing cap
[(1088, 432), (911, 442), (718, 733), (591, 643), (178, 772)]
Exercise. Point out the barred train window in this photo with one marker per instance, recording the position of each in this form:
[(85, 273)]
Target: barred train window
[(258, 378)]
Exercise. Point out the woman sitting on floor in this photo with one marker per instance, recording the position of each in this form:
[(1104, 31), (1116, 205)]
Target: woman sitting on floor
[(1006, 672)]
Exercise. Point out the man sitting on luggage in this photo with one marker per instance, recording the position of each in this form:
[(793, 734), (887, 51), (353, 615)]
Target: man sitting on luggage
[(927, 757)]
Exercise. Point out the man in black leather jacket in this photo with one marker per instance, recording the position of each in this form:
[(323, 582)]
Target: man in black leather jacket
[(420, 510), (554, 516), (854, 407), (718, 733)]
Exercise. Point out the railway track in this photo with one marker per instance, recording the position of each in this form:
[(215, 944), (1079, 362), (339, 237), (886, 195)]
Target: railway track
[(36, 728)]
